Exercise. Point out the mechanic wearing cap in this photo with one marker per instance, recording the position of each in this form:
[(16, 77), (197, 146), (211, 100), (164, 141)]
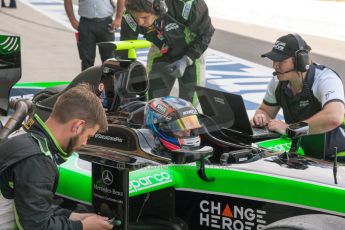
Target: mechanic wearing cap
[(28, 164), (305, 91), (180, 32), (95, 25)]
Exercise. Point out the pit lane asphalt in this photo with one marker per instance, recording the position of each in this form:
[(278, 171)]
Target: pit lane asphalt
[(49, 51), (236, 38)]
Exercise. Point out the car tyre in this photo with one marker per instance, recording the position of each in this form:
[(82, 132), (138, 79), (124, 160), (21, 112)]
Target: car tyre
[(308, 222)]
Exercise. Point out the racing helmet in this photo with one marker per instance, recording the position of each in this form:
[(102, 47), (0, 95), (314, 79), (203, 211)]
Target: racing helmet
[(174, 122)]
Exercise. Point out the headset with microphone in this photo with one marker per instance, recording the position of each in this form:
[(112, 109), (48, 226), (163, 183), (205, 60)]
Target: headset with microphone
[(302, 59), (159, 6), (275, 73)]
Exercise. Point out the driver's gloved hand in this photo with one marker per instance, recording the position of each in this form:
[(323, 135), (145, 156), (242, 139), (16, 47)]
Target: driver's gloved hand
[(178, 67)]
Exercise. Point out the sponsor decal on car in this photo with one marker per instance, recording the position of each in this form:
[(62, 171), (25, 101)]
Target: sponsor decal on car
[(109, 138), (280, 147), (9, 44), (25, 96), (149, 181), (218, 215)]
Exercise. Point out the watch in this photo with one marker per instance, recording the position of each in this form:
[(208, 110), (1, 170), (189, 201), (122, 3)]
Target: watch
[(297, 129)]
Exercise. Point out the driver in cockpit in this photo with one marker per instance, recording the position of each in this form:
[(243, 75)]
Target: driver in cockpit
[(102, 95), (173, 122)]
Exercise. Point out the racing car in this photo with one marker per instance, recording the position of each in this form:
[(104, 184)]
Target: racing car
[(227, 183)]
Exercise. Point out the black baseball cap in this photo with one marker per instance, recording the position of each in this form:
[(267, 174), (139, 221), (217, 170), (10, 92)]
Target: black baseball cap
[(285, 47)]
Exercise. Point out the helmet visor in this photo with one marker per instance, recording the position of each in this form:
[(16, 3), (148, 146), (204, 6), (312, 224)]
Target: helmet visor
[(184, 123)]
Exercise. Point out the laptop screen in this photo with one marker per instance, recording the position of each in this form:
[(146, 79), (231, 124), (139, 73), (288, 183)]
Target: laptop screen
[(226, 109), (215, 106)]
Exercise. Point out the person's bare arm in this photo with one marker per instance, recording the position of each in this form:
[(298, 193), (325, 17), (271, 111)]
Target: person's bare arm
[(70, 14), (264, 114), (330, 117), (120, 6)]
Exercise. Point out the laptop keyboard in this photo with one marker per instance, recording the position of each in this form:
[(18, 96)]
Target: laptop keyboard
[(259, 131)]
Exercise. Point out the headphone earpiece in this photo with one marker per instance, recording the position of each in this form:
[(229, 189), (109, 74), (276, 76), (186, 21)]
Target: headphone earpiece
[(302, 59), (159, 6)]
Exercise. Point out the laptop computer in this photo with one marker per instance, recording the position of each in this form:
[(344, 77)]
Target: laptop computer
[(229, 112)]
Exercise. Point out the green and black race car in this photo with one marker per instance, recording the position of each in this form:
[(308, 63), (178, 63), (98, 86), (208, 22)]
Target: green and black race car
[(226, 184)]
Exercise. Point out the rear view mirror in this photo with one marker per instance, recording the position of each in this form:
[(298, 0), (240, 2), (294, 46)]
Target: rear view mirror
[(10, 68), (184, 156)]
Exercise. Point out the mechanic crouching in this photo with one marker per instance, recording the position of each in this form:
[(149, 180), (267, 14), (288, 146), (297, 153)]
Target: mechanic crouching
[(28, 164)]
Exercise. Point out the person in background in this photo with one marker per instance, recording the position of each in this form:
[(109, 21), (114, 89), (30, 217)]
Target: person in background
[(28, 164), (12, 4), (96, 24), (180, 32), (306, 91)]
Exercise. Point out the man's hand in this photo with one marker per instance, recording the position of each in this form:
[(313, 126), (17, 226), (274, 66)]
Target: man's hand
[(277, 126), (96, 222), (116, 24), (178, 67), (80, 216), (259, 120), (75, 24)]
